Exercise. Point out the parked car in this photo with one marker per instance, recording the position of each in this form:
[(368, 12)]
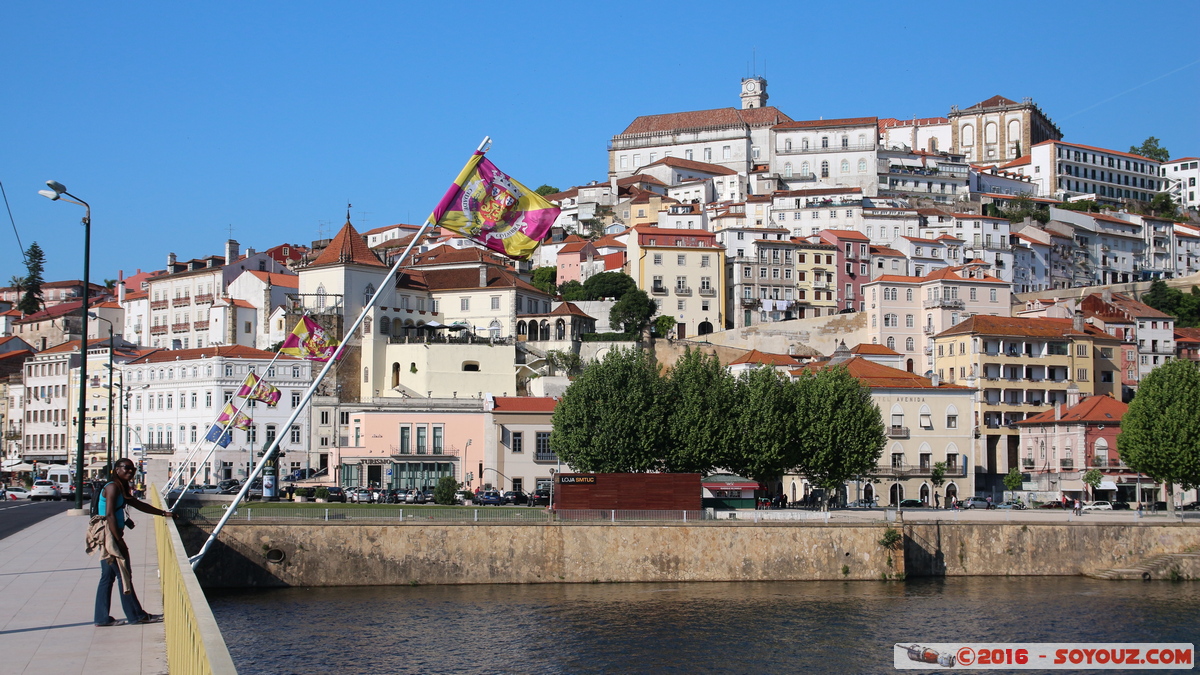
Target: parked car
[(911, 503), (1098, 506), (1193, 506), (358, 495), (17, 492), (427, 493), (540, 497), (489, 498), (256, 490), (863, 504), (336, 494), (975, 503), (464, 496), (515, 497), (229, 486), (1121, 506), (1017, 505), (414, 496), (45, 489)]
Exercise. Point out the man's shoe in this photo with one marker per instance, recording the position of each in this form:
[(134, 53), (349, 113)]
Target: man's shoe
[(111, 622), (151, 618)]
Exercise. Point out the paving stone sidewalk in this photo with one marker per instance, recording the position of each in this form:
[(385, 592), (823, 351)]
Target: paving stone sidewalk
[(47, 595)]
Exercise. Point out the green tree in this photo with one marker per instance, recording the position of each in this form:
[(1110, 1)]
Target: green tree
[(1160, 433), (700, 427), (35, 264), (1023, 206), (937, 474), (766, 426), (608, 285), (1013, 480), (544, 190), (841, 430), (565, 363), (1092, 478), (1150, 148), (663, 325), (573, 291), (632, 312), (443, 492), (544, 279), (612, 419), (1164, 206)]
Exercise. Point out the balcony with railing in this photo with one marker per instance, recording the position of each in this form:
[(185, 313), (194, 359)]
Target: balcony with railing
[(820, 285), (683, 290), (928, 330), (658, 290), (1066, 464), (1028, 463), (948, 303), (832, 148), (201, 325), (180, 327), (159, 448), (181, 301), (204, 298), (545, 457), (160, 329), (708, 292), (159, 304), (751, 303), (900, 470), (897, 432)]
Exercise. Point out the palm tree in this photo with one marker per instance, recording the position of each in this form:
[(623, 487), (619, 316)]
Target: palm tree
[(18, 283)]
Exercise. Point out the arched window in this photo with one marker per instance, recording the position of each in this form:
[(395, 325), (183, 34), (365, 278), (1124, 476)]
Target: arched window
[(824, 141), (805, 170), (385, 326), (845, 166), (908, 295), (494, 329), (470, 366), (366, 374), (560, 330), (787, 170), (368, 293), (862, 166), (909, 321), (845, 141), (968, 135), (520, 328), (989, 132), (891, 343), (321, 296), (909, 344), (862, 140), (787, 145), (933, 145), (804, 144), (395, 375), (824, 169), (891, 321)]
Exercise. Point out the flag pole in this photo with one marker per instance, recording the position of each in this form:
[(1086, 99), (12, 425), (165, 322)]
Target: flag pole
[(173, 480), (270, 452)]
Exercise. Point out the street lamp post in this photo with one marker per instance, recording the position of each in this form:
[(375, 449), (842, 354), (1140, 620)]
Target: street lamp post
[(55, 193), (109, 415)]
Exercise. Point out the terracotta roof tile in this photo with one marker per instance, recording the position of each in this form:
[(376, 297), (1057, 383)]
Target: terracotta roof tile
[(1036, 327), (880, 350), (879, 376), (765, 358), (820, 124), (1093, 409), (347, 247), (226, 351), (275, 279), (693, 165), (695, 119), (524, 403), (993, 102)]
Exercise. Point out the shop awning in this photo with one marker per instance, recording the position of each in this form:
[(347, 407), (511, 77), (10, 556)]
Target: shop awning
[(1107, 485), (20, 466)]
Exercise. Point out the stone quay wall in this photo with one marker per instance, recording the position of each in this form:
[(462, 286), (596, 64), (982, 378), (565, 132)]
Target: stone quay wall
[(269, 554)]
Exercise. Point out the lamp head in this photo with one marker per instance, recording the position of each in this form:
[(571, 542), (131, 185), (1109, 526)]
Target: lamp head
[(56, 186), (49, 194)]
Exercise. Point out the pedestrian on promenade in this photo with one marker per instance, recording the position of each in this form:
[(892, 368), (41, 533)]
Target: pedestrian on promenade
[(937, 501), (106, 532)]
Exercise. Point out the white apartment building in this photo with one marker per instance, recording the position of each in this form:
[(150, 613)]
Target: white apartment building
[(930, 134), (183, 301), (1031, 262), (836, 152), (1181, 175), (176, 396), (1065, 170), (942, 177), (807, 211)]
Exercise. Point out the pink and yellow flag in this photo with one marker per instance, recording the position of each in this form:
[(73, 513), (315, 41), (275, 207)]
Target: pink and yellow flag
[(309, 341), (257, 388), (494, 210), (241, 421)]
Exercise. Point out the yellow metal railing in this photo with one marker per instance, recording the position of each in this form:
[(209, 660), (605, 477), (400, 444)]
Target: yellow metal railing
[(194, 642)]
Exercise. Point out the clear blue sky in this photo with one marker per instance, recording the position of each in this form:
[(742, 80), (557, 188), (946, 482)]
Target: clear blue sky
[(177, 120)]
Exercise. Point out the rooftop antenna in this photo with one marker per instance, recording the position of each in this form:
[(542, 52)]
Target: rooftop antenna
[(754, 56), (231, 230)]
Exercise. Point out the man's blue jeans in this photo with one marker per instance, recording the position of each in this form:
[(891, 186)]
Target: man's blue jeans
[(129, 602)]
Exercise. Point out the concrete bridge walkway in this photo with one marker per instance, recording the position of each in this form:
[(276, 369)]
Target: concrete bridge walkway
[(47, 595)]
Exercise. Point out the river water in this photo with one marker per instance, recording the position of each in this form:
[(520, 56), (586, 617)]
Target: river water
[(769, 627)]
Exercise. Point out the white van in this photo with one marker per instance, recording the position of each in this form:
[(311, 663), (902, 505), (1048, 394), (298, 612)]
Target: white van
[(62, 476)]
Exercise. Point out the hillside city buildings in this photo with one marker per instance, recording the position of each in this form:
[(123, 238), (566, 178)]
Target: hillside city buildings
[(982, 337)]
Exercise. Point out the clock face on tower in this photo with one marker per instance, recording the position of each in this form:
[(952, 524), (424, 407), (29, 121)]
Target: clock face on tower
[(751, 86)]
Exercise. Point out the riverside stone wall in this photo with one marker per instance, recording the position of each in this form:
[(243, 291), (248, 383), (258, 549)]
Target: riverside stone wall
[(348, 555)]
